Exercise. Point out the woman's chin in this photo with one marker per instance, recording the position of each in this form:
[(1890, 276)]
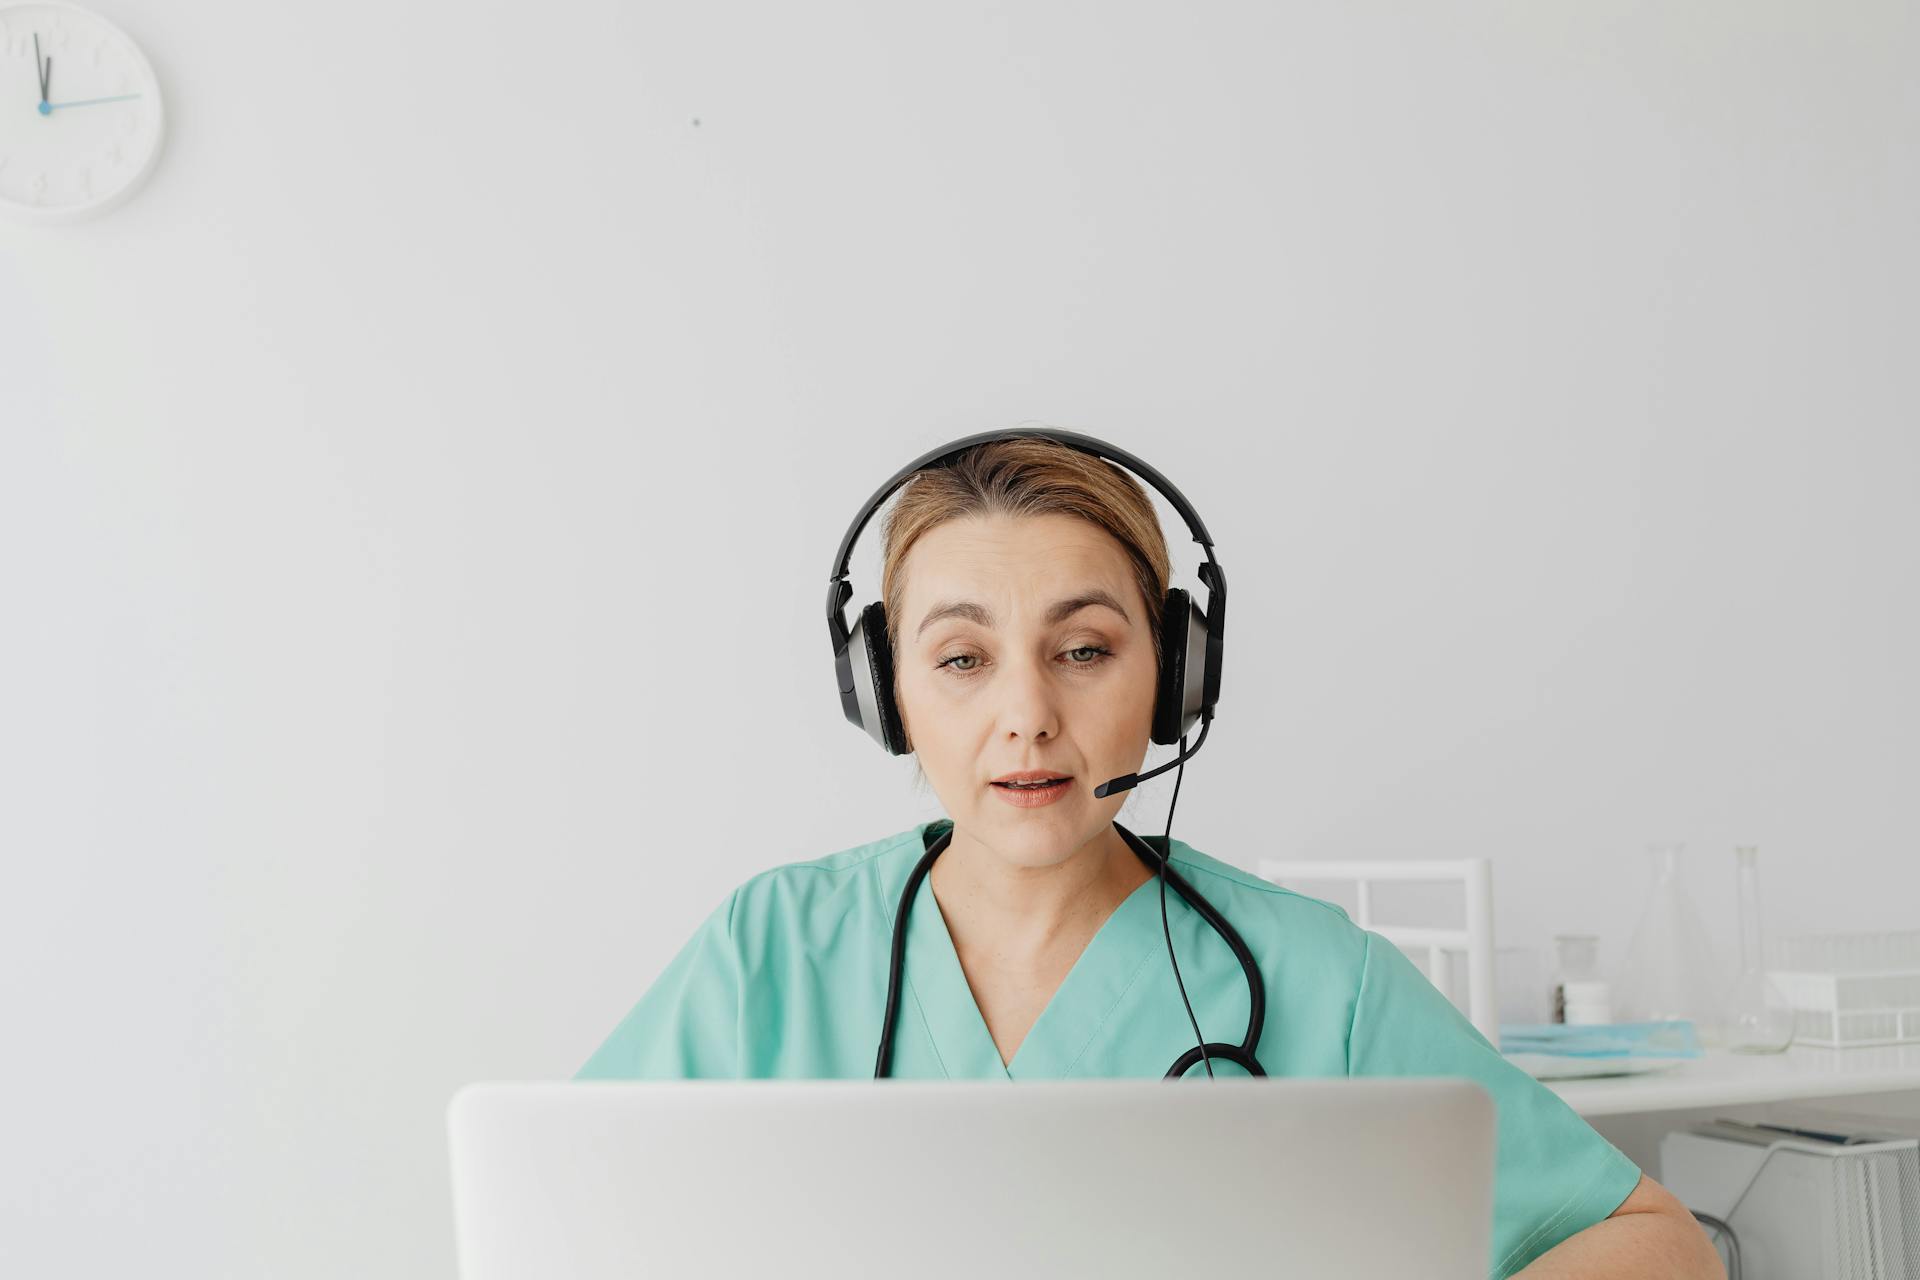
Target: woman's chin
[(1040, 837)]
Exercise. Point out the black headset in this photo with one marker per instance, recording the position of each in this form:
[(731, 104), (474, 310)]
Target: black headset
[(1191, 643), (1190, 639)]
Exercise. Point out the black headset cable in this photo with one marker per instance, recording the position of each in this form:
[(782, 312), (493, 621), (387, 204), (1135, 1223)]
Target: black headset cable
[(1166, 852)]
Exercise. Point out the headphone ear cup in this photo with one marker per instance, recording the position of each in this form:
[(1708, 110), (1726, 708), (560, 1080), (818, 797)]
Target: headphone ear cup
[(1169, 698), (885, 725)]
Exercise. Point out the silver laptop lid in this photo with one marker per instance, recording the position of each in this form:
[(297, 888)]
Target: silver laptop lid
[(1371, 1176)]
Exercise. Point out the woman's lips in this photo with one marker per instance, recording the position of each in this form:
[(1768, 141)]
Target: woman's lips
[(1031, 797)]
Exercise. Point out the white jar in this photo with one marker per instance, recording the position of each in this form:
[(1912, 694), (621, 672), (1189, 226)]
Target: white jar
[(1588, 1004)]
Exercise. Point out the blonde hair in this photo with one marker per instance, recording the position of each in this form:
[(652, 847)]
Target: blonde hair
[(1028, 476)]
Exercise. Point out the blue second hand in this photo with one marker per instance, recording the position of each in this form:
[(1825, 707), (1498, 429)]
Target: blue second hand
[(48, 108)]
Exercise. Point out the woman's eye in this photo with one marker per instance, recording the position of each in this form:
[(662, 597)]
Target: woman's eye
[(1100, 653)]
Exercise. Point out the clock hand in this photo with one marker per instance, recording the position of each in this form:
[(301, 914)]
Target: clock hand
[(44, 69), (86, 102)]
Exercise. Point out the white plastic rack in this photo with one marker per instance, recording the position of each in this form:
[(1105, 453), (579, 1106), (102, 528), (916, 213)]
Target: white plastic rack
[(1850, 989)]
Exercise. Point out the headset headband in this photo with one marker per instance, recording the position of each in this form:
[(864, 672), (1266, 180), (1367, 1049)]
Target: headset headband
[(839, 591)]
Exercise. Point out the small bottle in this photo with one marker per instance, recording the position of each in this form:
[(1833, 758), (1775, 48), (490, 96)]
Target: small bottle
[(1576, 960), (1589, 1003)]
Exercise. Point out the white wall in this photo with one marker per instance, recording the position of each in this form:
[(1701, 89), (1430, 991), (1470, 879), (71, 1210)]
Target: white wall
[(415, 508)]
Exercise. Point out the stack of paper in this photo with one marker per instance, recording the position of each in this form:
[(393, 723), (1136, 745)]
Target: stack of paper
[(1556, 1051)]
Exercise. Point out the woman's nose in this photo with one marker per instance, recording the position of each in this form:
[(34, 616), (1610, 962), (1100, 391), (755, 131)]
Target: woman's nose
[(1028, 698)]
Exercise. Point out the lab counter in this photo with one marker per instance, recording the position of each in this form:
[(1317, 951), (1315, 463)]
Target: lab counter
[(1720, 1078), (1634, 1112)]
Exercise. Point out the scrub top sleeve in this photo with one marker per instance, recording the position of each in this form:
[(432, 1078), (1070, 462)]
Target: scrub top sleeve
[(1554, 1174), (687, 1024)]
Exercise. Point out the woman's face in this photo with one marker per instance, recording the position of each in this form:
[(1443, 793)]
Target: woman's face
[(997, 671)]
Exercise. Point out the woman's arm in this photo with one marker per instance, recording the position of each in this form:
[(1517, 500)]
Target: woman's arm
[(1650, 1234)]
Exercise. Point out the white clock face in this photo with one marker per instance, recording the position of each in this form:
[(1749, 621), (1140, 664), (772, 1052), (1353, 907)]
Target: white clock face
[(80, 118)]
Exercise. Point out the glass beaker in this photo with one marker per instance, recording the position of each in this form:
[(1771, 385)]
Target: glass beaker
[(1759, 1019), (1671, 971)]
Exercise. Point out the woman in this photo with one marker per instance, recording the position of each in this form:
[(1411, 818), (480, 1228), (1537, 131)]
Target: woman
[(1023, 585)]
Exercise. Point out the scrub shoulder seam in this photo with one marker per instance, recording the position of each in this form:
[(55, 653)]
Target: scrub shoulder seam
[(1247, 880), (876, 849)]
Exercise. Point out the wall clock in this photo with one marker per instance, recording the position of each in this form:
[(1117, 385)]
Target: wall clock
[(80, 113)]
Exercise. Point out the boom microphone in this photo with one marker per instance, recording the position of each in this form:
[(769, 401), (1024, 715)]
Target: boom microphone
[(1128, 781)]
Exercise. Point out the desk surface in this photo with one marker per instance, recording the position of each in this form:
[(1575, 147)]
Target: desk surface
[(1720, 1078)]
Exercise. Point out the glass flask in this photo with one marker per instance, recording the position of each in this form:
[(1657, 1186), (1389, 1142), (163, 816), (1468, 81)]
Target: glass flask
[(1671, 971), (1759, 1019)]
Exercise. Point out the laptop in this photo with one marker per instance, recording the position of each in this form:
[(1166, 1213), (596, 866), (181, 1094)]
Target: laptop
[(616, 1179)]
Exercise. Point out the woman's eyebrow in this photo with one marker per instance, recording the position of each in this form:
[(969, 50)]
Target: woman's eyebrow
[(978, 613)]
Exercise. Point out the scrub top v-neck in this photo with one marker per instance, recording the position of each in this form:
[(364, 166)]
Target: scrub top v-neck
[(787, 978), (937, 983)]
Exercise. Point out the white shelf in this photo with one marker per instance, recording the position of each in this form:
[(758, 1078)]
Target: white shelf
[(1719, 1078)]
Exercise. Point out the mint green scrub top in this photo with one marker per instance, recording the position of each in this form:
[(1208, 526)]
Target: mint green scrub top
[(788, 978)]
